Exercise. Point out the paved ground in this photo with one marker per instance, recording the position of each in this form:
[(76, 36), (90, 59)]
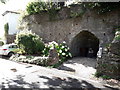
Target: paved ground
[(82, 67), (19, 75)]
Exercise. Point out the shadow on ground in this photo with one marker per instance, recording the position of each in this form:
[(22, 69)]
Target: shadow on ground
[(46, 81), (51, 83), (67, 83), (19, 82), (62, 67), (4, 57)]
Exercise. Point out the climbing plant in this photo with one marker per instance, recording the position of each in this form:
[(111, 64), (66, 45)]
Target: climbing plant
[(37, 7), (53, 7), (101, 7)]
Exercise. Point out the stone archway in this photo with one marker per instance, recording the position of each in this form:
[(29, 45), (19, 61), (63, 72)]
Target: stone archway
[(85, 44)]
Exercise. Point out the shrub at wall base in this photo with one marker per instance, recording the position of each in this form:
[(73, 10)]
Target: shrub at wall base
[(29, 43)]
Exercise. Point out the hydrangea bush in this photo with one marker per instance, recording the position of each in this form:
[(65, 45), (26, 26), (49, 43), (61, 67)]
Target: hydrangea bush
[(62, 50), (48, 47)]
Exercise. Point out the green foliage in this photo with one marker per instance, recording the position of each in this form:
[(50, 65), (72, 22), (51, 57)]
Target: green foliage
[(29, 43), (76, 14), (6, 28), (46, 51), (117, 28), (62, 50), (30, 57), (56, 65), (48, 47), (101, 7), (105, 77), (53, 7), (98, 75), (52, 13), (37, 7), (1, 43), (107, 45), (117, 33), (117, 37)]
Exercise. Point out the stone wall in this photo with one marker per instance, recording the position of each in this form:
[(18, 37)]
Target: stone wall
[(65, 29), (10, 38), (109, 63)]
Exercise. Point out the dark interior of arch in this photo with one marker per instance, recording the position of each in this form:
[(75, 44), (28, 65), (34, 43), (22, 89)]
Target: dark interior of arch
[(85, 44)]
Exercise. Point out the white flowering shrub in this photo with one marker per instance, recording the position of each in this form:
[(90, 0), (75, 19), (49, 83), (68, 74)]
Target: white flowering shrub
[(37, 60), (62, 50), (48, 47)]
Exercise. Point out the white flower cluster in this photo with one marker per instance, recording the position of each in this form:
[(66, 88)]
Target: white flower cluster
[(52, 45), (62, 49), (25, 32)]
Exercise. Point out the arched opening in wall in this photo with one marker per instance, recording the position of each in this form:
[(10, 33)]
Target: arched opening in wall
[(85, 44)]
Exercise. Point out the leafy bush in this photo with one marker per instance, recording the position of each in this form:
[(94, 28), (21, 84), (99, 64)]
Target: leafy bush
[(1, 43), (48, 47), (29, 43), (75, 14), (37, 7), (101, 7), (97, 74), (117, 37), (100, 75), (116, 28), (62, 50)]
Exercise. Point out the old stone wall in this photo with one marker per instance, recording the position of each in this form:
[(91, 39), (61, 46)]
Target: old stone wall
[(10, 38), (109, 63), (65, 29), (75, 32)]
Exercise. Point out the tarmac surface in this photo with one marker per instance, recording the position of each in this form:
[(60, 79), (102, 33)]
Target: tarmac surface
[(22, 75)]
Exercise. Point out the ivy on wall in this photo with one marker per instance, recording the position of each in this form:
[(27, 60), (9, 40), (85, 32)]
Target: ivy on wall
[(50, 7), (53, 7), (101, 7)]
